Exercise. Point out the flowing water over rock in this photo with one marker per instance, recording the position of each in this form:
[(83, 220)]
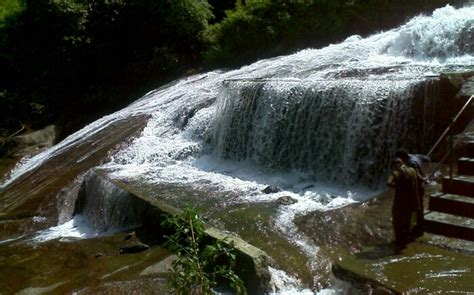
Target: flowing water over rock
[(319, 126)]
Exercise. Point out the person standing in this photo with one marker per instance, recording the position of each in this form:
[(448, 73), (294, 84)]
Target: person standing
[(417, 162), (406, 203)]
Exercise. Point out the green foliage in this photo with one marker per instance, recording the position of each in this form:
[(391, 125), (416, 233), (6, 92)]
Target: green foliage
[(219, 7), (37, 54), (199, 265), (260, 27), (90, 57), (9, 8), (74, 55)]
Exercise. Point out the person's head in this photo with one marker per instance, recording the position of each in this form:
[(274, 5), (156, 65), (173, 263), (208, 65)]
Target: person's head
[(402, 154), (397, 163)]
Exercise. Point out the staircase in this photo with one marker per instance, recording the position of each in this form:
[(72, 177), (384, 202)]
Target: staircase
[(451, 212)]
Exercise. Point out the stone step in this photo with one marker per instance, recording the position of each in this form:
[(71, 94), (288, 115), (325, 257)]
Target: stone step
[(449, 225), (459, 185), (452, 204), (466, 166), (468, 150)]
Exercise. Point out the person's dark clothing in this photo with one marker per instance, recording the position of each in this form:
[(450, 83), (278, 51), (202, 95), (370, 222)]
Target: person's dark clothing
[(405, 204), (417, 162)]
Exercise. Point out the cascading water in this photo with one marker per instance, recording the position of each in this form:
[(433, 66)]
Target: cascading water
[(102, 208), (108, 207), (320, 124), (338, 131)]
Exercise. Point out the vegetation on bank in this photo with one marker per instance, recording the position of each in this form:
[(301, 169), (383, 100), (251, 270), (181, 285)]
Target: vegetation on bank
[(200, 265), (8, 8), (71, 61)]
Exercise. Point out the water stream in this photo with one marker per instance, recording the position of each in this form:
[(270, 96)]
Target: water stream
[(320, 125)]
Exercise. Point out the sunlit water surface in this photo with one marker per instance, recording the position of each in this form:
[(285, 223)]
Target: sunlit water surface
[(300, 122)]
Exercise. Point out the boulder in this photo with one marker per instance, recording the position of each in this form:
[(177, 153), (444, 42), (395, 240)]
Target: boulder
[(35, 142), (132, 244), (467, 88), (286, 200), (270, 189)]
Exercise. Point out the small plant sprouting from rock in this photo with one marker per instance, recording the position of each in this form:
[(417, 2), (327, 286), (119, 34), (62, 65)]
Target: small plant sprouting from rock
[(200, 264)]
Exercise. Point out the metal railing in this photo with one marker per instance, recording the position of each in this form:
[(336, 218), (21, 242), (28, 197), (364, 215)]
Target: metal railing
[(452, 144)]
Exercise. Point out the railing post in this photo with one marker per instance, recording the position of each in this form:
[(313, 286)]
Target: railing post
[(451, 156), (450, 142), (448, 129)]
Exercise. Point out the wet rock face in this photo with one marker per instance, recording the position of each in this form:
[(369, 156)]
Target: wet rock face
[(352, 227), (467, 88), (39, 190), (88, 266), (35, 142), (132, 244)]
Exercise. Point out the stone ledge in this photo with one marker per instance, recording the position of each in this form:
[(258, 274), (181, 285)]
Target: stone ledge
[(420, 268), (252, 262)]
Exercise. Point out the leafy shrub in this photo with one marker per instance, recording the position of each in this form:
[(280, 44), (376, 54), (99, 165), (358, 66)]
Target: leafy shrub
[(257, 26), (9, 8), (199, 266)]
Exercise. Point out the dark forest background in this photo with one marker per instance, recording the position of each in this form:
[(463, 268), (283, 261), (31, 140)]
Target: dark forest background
[(68, 62)]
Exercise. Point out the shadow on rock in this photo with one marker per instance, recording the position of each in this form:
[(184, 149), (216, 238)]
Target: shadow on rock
[(378, 251)]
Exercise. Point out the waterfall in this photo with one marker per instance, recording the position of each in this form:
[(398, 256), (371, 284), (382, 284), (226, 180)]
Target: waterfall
[(106, 207), (333, 116), (363, 78), (341, 131), (320, 124), (446, 34)]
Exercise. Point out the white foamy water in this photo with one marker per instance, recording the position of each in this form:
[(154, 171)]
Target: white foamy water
[(441, 43), (318, 124), (76, 228), (284, 284)]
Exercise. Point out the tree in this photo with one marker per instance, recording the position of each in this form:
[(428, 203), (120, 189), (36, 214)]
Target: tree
[(62, 56)]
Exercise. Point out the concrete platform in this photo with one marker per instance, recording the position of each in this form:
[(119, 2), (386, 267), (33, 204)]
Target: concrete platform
[(421, 268)]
